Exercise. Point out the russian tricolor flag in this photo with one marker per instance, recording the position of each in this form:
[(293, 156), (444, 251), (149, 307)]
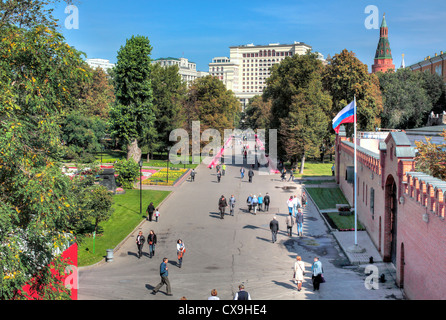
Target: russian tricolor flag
[(346, 115)]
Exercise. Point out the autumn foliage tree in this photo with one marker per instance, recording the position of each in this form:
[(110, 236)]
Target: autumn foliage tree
[(39, 207)]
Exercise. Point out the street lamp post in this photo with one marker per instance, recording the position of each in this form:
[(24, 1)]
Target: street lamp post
[(168, 151), (140, 187)]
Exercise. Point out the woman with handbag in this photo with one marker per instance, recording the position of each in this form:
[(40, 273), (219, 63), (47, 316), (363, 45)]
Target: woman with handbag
[(151, 240), (317, 276), (299, 272)]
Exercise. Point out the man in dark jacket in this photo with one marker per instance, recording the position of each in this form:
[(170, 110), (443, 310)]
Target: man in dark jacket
[(222, 204), (250, 174), (274, 227), (266, 201), (149, 211)]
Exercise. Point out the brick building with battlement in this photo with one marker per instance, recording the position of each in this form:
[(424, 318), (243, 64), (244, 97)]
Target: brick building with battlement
[(402, 210)]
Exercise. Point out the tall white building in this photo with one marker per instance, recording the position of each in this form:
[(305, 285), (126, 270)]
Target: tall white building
[(186, 68), (101, 63), (248, 66)]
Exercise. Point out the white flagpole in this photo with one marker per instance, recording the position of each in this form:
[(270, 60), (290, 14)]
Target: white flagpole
[(356, 184)]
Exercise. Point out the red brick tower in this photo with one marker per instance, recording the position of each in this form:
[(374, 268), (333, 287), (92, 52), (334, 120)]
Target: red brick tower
[(383, 56)]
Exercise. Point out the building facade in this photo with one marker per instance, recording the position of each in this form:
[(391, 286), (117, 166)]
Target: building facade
[(104, 64), (383, 55), (187, 69), (248, 66), (402, 210), (435, 64)]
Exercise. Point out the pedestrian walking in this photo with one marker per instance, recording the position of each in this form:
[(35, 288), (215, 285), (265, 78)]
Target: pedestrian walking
[(213, 295), (289, 224), (181, 250), (267, 201), (299, 221), (242, 294), (151, 240), (217, 168), (242, 173), (296, 204), (218, 175), (164, 273), (222, 204), (223, 168), (250, 175), (150, 209), (157, 214), (290, 204), (260, 202), (254, 203), (274, 227), (231, 204), (249, 202), (283, 175), (192, 175), (333, 170), (291, 175), (299, 272), (317, 273), (304, 199), (140, 243)]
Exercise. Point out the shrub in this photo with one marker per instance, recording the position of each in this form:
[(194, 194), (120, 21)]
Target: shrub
[(128, 171)]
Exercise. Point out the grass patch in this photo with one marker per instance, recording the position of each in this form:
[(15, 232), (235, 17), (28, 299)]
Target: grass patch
[(344, 222), (312, 169), (327, 198), (123, 221)]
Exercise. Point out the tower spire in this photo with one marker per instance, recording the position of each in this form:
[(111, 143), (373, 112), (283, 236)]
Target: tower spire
[(383, 55)]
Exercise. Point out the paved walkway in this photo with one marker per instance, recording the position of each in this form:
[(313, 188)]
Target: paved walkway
[(222, 254)]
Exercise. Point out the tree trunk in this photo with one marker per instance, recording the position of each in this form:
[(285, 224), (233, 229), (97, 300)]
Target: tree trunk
[(133, 151), (302, 165)]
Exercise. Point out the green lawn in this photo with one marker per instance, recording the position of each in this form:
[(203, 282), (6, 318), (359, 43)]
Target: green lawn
[(123, 221), (344, 222), (327, 198), (312, 169)]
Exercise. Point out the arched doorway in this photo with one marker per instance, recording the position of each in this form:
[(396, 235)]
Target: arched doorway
[(390, 220)]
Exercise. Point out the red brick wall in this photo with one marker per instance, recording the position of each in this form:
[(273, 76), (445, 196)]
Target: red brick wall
[(421, 246)]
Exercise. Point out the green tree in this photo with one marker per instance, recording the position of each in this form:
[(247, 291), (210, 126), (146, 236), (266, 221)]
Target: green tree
[(82, 136), (98, 204), (132, 117), (169, 94), (345, 77), (406, 102), (300, 106), (258, 113), (209, 102)]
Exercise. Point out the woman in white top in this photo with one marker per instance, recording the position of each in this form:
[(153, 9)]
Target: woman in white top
[(181, 249), (299, 272)]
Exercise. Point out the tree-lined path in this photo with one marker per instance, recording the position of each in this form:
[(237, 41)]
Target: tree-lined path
[(223, 253)]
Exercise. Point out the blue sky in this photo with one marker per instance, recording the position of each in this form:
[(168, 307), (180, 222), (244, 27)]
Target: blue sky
[(201, 30)]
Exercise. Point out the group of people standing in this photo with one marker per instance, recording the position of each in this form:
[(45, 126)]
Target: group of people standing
[(258, 202)]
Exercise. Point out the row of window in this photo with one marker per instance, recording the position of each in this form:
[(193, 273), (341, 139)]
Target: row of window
[(268, 53)]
